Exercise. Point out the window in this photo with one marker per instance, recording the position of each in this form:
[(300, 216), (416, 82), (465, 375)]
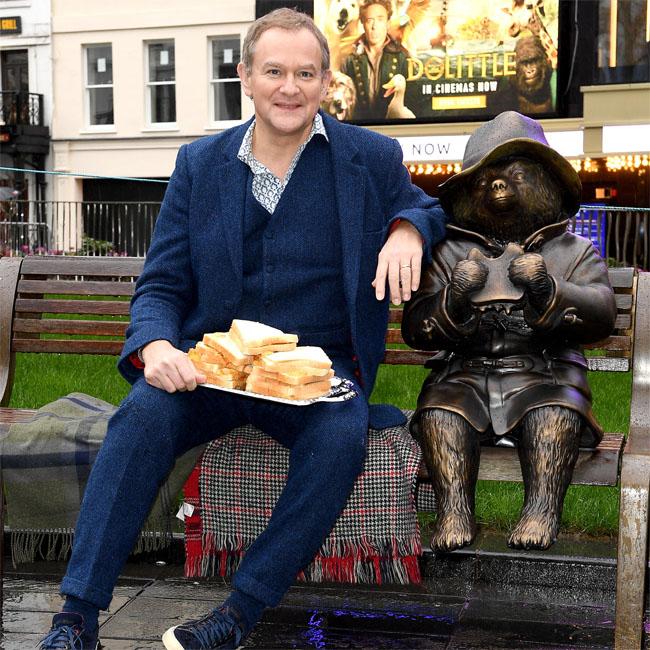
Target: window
[(226, 88), (99, 84), (623, 41), (161, 86)]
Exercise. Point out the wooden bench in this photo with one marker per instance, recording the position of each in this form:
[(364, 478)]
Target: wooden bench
[(35, 286)]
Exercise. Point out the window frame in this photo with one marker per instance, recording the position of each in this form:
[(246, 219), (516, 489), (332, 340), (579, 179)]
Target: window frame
[(150, 85), (212, 81), (88, 87)]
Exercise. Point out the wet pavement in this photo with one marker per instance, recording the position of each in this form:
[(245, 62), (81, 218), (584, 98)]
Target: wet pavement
[(479, 598)]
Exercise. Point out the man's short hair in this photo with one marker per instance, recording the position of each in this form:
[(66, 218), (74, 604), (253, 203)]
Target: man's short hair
[(386, 4), (288, 19)]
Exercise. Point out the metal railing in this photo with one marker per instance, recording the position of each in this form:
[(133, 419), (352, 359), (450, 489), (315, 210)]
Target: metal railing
[(620, 234), (21, 108), (125, 228), (76, 227)]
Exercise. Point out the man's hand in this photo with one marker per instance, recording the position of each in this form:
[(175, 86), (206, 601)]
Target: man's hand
[(168, 368), (400, 263)]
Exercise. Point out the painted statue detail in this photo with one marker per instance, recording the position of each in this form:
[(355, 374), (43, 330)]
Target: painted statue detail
[(509, 299)]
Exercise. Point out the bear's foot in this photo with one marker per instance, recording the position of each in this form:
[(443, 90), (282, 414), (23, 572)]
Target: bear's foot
[(534, 530), (453, 531)]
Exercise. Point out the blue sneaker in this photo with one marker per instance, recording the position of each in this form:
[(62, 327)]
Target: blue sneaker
[(68, 633), (221, 628)]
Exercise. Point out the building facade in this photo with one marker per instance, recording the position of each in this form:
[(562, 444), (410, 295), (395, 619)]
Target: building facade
[(134, 81), (25, 98)]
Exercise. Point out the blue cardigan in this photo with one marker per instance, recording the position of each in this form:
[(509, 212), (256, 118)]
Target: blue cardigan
[(192, 278)]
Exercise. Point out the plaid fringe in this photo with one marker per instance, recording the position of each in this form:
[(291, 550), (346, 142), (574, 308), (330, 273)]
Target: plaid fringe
[(54, 545), (61, 442), (193, 525), (230, 512), (48, 544), (362, 561)]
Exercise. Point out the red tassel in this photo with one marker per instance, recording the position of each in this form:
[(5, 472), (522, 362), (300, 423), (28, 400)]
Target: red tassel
[(193, 526), (375, 562), (412, 565)]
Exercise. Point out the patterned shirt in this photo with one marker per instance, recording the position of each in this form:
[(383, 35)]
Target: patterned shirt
[(267, 187)]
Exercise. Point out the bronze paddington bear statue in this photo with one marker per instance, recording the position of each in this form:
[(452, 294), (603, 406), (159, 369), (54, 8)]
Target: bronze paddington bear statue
[(508, 300)]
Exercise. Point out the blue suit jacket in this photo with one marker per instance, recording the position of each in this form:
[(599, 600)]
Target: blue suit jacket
[(192, 278)]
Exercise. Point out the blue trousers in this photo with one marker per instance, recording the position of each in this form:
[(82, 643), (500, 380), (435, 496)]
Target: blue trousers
[(327, 443)]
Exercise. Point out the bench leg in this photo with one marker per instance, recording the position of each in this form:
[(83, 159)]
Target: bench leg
[(632, 552), (2, 545)]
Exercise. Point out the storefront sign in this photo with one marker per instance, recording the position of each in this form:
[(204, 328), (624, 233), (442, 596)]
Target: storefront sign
[(10, 25), (626, 138), (451, 148), (435, 148), (440, 61)]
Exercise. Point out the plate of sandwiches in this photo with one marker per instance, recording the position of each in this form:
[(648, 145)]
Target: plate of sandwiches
[(263, 362)]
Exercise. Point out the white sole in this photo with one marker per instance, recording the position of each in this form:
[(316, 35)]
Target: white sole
[(171, 643), (169, 640)]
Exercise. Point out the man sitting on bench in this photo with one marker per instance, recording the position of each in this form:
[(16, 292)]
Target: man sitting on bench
[(279, 220)]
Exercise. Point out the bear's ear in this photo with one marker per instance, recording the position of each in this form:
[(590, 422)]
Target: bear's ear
[(461, 206)]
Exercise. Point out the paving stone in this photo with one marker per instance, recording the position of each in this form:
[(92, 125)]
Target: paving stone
[(19, 641), (451, 573), (188, 589), (478, 598), (539, 622), (130, 644), (148, 618), (318, 635), (477, 639)]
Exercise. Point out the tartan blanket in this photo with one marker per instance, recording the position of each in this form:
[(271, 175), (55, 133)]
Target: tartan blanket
[(45, 464), (240, 476)]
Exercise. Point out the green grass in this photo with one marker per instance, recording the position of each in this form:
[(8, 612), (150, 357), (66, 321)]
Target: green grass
[(587, 509), (43, 378)]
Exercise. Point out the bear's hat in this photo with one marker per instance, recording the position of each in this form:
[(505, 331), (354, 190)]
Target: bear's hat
[(513, 134)]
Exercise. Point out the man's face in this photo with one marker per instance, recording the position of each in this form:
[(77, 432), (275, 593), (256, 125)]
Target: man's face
[(286, 82), (375, 24)]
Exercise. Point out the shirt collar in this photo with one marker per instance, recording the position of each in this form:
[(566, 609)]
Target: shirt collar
[(245, 153)]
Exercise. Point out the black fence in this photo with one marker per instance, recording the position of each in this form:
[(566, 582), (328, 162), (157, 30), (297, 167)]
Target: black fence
[(125, 228), (76, 227), (620, 234), (21, 108)]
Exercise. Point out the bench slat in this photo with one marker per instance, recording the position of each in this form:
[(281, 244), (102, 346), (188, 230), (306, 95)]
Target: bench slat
[(395, 315), (418, 357), (9, 274), (622, 278), (52, 326), (407, 357), (594, 466), (77, 287), (623, 301), (10, 415), (617, 343), (67, 346), (394, 336), (89, 266), (53, 306), (623, 321), (608, 364)]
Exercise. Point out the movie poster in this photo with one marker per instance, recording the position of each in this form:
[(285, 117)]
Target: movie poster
[(439, 60)]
